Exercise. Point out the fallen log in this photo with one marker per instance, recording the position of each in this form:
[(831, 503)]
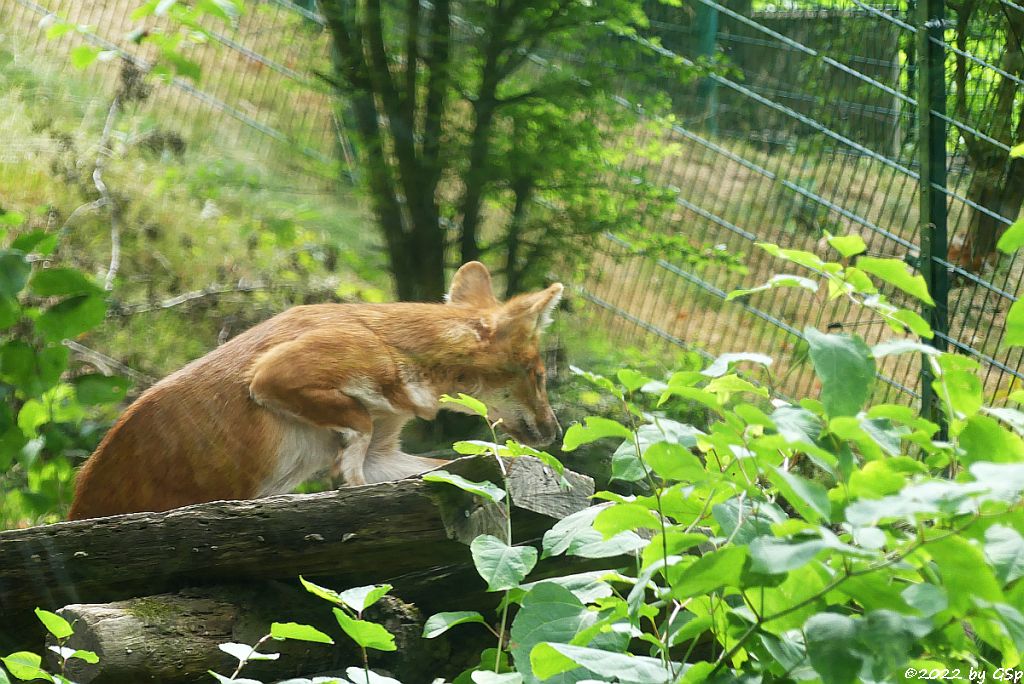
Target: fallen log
[(355, 536), (175, 638)]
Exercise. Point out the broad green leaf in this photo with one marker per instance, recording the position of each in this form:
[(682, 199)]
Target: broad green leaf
[(96, 389), (71, 317), (593, 429), (575, 535), (625, 464), (807, 497), (550, 612), (714, 570), (487, 490), (894, 272), (55, 624), (364, 633), (245, 652), (773, 556), (361, 598), (25, 665), (984, 439), (846, 369), (927, 598), (298, 632), (1017, 150), (502, 566), (1013, 238), (1004, 549), (14, 271), (830, 639), (549, 659), (675, 462), (632, 380), (67, 653), (962, 564), (797, 256), (51, 282), (725, 361), (621, 517), (322, 592), (1014, 335), (848, 245), (728, 384), (914, 322), (440, 623), (83, 55), (474, 405)]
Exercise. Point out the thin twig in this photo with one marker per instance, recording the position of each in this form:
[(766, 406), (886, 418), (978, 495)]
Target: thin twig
[(108, 364), (186, 297), (97, 179)]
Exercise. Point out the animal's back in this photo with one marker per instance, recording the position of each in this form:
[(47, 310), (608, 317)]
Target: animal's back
[(196, 435)]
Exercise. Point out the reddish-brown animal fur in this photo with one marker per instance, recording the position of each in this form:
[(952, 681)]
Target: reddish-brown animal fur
[(318, 387)]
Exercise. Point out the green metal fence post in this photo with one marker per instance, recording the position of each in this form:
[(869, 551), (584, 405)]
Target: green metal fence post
[(706, 25), (931, 104)]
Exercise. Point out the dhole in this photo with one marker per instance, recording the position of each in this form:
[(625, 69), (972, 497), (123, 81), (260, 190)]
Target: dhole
[(319, 387)]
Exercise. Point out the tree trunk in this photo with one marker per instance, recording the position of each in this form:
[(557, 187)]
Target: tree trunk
[(476, 181), (523, 190), (999, 193)]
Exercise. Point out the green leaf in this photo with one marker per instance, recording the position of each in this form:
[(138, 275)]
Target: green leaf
[(502, 566), (593, 429), (844, 365), (474, 405), (1014, 335), (549, 659), (902, 347), (848, 245), (14, 272), (712, 571), (71, 317), (621, 517), (25, 665), (894, 272), (575, 535), (1017, 150), (962, 564), (808, 259), (632, 380), (984, 439), (486, 489), (829, 639), (364, 633), (322, 592), (1004, 549), (440, 623), (773, 556), (1013, 238), (55, 624), (51, 282), (807, 497), (83, 55), (244, 652), (298, 632), (725, 361), (361, 598), (88, 656), (674, 462), (778, 280), (96, 389)]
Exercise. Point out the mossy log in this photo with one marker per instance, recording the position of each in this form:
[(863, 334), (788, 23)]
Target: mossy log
[(353, 536)]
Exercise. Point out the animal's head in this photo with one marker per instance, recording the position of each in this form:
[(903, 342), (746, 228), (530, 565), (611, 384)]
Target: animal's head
[(506, 370)]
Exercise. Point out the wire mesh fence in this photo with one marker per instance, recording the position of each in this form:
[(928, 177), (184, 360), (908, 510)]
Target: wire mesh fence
[(815, 126), (809, 121)]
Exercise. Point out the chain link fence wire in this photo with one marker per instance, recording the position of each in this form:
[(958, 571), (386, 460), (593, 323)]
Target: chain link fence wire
[(808, 122)]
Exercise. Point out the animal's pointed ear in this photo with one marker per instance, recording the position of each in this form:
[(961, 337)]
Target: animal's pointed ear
[(535, 309), (471, 285)]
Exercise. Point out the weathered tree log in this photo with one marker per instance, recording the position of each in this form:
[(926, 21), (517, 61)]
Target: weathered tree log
[(354, 536), (174, 638)]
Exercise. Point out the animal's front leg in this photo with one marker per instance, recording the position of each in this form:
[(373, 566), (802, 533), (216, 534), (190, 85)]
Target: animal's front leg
[(385, 459), (350, 463)]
